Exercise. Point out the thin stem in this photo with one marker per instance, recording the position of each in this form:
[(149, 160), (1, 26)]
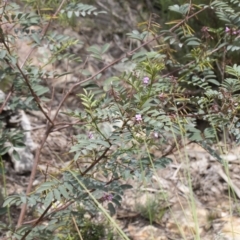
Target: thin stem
[(47, 132)]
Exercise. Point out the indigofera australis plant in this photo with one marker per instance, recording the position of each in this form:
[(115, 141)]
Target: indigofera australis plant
[(158, 99)]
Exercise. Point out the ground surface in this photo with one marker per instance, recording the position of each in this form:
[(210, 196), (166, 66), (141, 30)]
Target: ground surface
[(165, 207), (174, 208)]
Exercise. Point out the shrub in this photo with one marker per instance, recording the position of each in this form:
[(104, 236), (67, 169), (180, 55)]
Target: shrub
[(183, 73)]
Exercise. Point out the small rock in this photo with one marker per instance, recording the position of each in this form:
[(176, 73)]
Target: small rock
[(231, 229)]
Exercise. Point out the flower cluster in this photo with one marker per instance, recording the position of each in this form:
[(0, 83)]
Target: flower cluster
[(138, 117), (146, 80), (232, 31)]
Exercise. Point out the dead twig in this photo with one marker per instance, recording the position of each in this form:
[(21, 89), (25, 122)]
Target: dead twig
[(47, 132)]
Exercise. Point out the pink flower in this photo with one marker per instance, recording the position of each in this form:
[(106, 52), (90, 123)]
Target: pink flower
[(162, 96), (155, 134), (90, 135), (146, 80), (227, 29), (138, 117), (107, 197)]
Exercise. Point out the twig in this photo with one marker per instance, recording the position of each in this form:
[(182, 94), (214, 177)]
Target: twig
[(28, 84), (36, 223), (47, 132), (38, 127), (95, 162), (44, 31), (33, 173), (36, 98), (169, 150)]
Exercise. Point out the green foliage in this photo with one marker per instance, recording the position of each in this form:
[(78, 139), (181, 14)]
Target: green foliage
[(80, 9), (154, 207), (163, 94)]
